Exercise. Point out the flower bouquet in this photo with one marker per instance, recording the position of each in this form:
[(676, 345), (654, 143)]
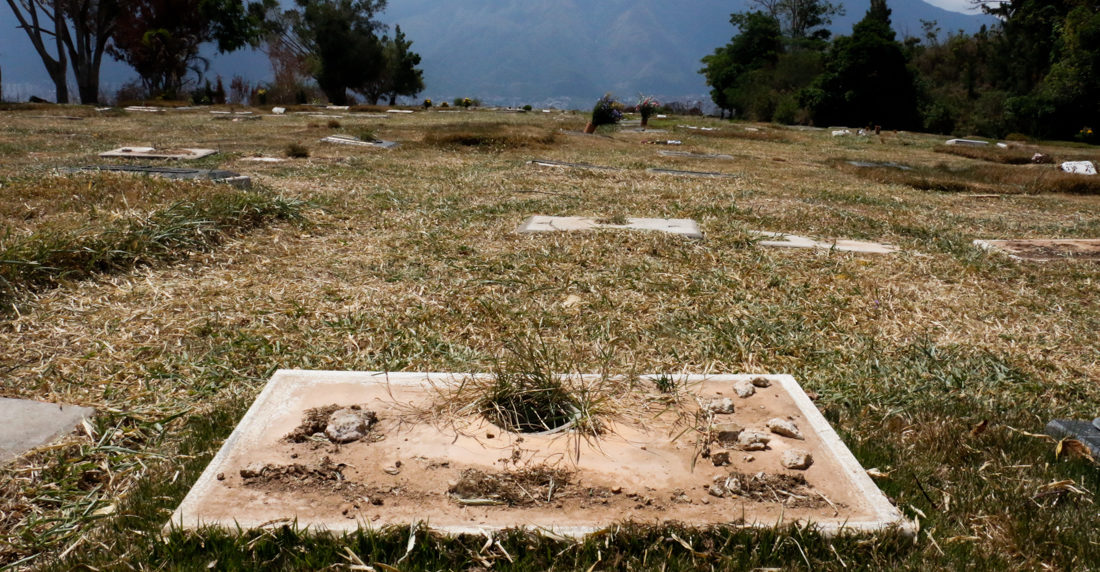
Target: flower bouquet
[(606, 112), (647, 106)]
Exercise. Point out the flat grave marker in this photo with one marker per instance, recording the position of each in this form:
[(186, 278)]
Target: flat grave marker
[(783, 240), (1088, 433), (690, 155), (217, 176), (1079, 167), (875, 164), (967, 142), (340, 451), (679, 173), (566, 165), (27, 425), (541, 223), (154, 153), (1045, 249), (357, 142)]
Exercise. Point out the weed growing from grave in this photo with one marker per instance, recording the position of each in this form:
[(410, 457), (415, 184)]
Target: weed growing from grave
[(528, 394), (333, 124), (296, 151)]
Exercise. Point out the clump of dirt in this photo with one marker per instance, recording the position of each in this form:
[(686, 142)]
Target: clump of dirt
[(530, 486), (318, 419), (296, 476), (314, 421), (792, 490)]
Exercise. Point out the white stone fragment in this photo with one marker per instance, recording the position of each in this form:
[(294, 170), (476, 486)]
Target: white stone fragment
[(744, 389), (722, 406), (1079, 167), (796, 459), (784, 428), (347, 425), (753, 440)]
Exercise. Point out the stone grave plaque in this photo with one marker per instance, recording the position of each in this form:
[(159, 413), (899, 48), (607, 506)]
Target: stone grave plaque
[(1079, 167), (690, 155), (781, 240), (968, 142), (341, 451), (883, 165), (154, 153), (217, 176), (540, 223), (26, 425), (1045, 249), (565, 165), (678, 173), (1086, 432), (357, 142)]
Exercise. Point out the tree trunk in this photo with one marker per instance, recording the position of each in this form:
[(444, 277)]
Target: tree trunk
[(393, 99)]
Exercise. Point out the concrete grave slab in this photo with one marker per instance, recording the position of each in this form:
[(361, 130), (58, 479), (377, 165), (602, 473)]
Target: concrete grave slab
[(673, 142), (1079, 167), (885, 165), (402, 111), (565, 165), (27, 425), (154, 153), (1086, 432), (217, 176), (781, 240), (541, 223), (357, 142), (694, 128), (449, 468), (278, 110), (264, 159), (1044, 249), (679, 173), (968, 142), (690, 155), (144, 109)]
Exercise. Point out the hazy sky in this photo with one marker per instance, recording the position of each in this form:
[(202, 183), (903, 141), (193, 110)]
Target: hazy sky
[(963, 6)]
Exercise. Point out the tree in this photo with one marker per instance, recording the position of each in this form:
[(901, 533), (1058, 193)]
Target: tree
[(804, 22), (403, 77), (33, 17), (338, 40), (730, 70), (160, 39), (867, 80)]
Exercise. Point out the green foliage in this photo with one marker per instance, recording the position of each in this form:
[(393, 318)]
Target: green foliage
[(729, 71), (867, 80), (606, 111)]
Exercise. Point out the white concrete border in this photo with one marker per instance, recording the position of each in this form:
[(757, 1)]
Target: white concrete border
[(272, 401)]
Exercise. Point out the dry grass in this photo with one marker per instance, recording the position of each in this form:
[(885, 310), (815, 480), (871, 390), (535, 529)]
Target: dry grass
[(411, 264), (997, 179)]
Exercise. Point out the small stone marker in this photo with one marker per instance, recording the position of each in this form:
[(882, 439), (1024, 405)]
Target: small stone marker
[(1083, 431), (885, 165), (968, 142), (144, 109), (563, 164), (355, 141), (154, 153), (25, 425), (217, 176), (541, 223), (690, 155), (1079, 167), (278, 110), (678, 173), (794, 241), (841, 133), (406, 111), (1045, 250)]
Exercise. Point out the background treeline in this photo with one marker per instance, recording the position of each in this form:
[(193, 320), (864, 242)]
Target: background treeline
[(1037, 73), (327, 47)]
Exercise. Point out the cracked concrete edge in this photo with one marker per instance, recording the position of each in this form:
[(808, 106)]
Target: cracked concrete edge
[(887, 515)]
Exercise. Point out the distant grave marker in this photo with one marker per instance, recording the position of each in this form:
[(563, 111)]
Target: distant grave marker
[(782, 240), (679, 173), (403, 111), (968, 142), (357, 142), (1045, 250), (695, 128), (154, 153), (26, 425), (1079, 167), (540, 223), (144, 109), (217, 176), (565, 165), (690, 155), (885, 165), (263, 159)]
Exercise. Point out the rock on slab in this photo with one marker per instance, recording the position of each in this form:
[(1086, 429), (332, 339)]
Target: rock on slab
[(349, 424), (753, 440), (727, 433), (761, 382), (744, 389), (797, 459), (784, 428), (722, 406)]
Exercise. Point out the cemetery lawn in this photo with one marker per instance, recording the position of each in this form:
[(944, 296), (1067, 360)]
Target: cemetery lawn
[(939, 365)]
